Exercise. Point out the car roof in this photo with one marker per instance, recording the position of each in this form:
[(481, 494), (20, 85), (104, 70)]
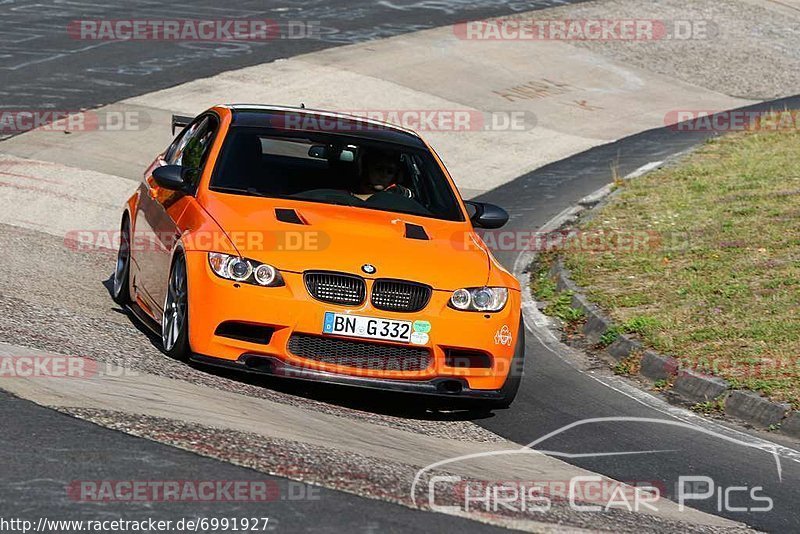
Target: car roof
[(305, 119)]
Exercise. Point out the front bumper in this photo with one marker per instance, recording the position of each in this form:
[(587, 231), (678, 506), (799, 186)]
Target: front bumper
[(289, 310)]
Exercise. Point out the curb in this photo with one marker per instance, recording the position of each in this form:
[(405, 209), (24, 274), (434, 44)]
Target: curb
[(688, 384), (698, 387), (624, 347), (791, 425), (657, 367), (750, 405)]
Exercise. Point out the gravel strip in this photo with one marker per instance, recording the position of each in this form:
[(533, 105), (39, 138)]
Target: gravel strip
[(365, 476)]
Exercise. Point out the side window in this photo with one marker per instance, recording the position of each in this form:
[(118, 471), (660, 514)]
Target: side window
[(177, 145), (191, 148)]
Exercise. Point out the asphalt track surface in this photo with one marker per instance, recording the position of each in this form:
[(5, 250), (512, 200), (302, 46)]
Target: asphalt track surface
[(67, 74)]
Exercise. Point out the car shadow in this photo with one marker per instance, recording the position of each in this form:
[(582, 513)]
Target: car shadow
[(405, 405), (154, 339)]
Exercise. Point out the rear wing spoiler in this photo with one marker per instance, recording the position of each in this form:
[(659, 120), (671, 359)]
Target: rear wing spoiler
[(180, 121)]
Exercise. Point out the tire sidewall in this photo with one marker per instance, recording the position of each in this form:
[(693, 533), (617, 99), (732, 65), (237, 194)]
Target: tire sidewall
[(181, 350), (123, 297)]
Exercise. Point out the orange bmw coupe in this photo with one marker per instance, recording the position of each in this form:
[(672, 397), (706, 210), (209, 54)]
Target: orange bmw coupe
[(320, 246)]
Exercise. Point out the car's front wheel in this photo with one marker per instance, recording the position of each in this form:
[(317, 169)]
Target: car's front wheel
[(121, 292), (175, 320)]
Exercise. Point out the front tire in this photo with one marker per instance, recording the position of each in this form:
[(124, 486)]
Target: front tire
[(175, 319), (121, 289)]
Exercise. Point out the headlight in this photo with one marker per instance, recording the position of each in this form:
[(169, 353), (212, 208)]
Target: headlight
[(265, 274), (244, 270), (481, 299)]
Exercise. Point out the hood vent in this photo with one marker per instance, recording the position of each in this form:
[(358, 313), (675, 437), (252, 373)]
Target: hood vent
[(415, 231), (288, 215)]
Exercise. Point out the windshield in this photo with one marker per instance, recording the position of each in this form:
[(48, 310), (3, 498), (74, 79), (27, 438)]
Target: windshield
[(334, 169)]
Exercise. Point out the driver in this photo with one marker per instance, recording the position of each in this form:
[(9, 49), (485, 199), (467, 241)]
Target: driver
[(381, 172)]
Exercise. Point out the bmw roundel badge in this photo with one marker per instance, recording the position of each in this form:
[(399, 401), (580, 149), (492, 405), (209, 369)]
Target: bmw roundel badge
[(368, 268)]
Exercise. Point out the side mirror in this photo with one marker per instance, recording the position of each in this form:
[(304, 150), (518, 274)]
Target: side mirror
[(487, 216), (172, 177)]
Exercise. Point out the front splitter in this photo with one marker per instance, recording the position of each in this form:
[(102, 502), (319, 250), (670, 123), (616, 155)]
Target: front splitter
[(439, 388)]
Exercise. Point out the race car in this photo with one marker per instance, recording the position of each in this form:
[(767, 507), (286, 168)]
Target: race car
[(320, 246)]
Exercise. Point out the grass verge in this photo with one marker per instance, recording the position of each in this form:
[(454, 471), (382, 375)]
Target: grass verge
[(556, 303), (702, 261)]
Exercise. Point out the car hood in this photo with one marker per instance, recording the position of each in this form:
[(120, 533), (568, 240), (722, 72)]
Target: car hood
[(299, 236)]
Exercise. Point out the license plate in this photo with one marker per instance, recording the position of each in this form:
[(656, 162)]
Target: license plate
[(343, 324)]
